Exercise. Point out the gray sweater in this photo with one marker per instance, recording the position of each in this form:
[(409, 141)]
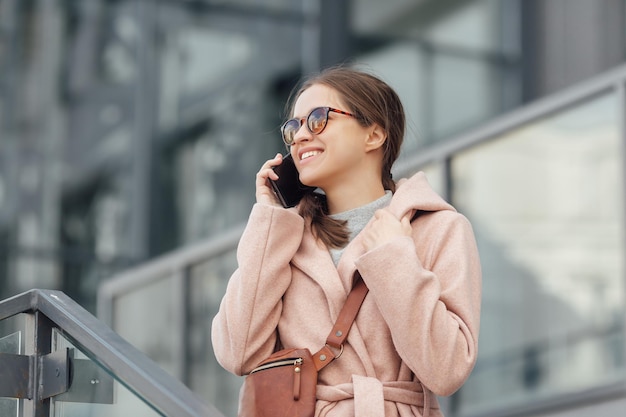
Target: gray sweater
[(357, 218)]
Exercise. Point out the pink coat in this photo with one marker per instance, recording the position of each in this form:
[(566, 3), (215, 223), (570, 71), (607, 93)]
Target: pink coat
[(417, 328)]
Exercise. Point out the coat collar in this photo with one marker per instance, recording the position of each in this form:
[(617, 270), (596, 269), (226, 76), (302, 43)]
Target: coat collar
[(314, 259)]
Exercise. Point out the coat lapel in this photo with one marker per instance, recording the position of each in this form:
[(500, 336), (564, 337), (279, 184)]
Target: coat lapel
[(314, 260)]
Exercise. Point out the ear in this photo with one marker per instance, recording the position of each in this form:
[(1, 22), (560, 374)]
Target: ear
[(376, 138)]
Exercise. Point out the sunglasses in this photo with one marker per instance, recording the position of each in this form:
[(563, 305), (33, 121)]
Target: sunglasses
[(316, 122)]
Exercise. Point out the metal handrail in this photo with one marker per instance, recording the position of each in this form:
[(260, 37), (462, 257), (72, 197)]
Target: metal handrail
[(128, 365)]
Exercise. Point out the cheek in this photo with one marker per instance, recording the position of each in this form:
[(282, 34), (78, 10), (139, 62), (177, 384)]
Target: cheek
[(349, 143)]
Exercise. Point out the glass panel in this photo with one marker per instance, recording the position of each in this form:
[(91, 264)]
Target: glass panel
[(546, 203), (146, 319), (11, 331), (11, 343), (94, 392), (213, 383), (9, 407)]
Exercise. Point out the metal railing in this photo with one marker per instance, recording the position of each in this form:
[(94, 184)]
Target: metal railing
[(44, 374)]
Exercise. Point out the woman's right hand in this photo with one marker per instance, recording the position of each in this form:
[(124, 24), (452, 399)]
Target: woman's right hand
[(264, 192)]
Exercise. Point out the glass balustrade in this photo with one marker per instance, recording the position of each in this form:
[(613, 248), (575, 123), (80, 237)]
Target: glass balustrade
[(57, 359), (94, 391), (546, 203)]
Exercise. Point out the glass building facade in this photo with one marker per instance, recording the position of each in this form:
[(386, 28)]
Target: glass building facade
[(131, 131), (131, 128)]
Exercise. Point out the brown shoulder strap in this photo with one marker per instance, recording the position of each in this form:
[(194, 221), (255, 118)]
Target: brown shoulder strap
[(342, 326)]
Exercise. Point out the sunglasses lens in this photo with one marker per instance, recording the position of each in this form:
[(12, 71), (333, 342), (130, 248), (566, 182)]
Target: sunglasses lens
[(289, 130), (316, 122)]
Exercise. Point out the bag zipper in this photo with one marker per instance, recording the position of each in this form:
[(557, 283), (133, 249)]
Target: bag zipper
[(297, 370), (283, 362)]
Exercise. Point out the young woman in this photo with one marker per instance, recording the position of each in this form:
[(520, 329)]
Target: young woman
[(416, 335)]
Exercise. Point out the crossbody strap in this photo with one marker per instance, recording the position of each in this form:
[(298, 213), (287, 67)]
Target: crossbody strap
[(342, 326)]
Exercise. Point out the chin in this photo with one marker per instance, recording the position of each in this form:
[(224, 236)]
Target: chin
[(307, 180), (314, 179), (308, 183)]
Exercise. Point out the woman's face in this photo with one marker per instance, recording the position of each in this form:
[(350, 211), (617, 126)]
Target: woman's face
[(336, 155)]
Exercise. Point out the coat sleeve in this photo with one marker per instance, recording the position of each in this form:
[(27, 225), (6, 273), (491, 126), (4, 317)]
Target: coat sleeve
[(244, 329), (429, 292)]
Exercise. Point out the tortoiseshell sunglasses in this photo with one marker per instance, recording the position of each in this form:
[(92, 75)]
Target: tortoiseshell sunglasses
[(316, 122)]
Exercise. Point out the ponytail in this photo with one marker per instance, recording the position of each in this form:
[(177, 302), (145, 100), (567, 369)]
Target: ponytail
[(333, 233)]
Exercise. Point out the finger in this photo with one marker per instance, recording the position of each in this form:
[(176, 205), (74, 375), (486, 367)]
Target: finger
[(380, 213), (277, 160), (266, 169), (406, 225), (263, 174), (272, 174)]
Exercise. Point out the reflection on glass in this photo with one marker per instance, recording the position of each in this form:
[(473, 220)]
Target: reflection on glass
[(208, 282), (546, 202), (94, 392)]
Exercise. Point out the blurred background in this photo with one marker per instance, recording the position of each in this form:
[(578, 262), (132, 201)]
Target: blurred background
[(131, 131)]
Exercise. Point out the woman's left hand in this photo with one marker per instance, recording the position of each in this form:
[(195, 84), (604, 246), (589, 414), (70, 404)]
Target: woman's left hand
[(385, 227)]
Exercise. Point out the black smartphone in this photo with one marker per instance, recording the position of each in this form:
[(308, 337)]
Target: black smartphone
[(288, 187)]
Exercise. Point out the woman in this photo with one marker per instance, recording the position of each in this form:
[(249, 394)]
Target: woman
[(416, 335)]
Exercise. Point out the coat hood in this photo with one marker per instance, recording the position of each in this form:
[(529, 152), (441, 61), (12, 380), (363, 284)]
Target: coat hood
[(412, 196), (415, 194)]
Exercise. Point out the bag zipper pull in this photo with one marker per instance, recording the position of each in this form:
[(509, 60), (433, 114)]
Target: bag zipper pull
[(297, 370)]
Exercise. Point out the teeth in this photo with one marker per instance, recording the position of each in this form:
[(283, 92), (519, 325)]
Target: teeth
[(309, 154)]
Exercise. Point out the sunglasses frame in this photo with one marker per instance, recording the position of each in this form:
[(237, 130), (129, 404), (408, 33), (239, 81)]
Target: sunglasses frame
[(300, 122)]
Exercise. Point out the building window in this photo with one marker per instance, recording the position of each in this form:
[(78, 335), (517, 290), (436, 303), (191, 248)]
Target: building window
[(454, 70)]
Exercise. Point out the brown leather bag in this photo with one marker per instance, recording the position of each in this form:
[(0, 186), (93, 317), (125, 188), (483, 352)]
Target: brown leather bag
[(284, 384)]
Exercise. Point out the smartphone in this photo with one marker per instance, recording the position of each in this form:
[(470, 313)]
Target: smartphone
[(288, 187)]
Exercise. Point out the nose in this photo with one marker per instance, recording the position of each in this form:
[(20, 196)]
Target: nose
[(302, 134)]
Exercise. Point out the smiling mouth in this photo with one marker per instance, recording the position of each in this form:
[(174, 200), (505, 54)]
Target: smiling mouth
[(309, 154)]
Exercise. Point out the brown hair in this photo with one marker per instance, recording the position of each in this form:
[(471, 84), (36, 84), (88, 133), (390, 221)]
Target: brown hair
[(371, 100)]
